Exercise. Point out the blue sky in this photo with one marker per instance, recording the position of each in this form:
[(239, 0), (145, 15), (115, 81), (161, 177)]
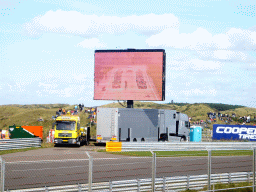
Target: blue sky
[(47, 47)]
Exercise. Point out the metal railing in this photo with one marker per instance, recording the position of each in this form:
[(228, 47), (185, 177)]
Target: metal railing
[(8, 144), (186, 146), (178, 183), (96, 174)]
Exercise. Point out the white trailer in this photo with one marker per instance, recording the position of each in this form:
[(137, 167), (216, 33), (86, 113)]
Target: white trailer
[(141, 125)]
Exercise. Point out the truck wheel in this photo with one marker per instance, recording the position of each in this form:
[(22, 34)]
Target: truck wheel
[(183, 139)]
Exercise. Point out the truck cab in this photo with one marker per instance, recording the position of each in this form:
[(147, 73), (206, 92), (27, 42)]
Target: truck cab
[(68, 131)]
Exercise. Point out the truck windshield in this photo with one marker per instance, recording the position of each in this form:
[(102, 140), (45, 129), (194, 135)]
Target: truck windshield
[(66, 125)]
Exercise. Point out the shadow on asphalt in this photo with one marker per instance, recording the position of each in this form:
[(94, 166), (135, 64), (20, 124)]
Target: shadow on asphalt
[(100, 144)]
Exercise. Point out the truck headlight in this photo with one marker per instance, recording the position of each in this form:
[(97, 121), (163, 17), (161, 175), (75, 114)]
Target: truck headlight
[(73, 141)]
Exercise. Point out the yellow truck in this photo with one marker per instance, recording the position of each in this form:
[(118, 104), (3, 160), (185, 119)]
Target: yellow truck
[(68, 131)]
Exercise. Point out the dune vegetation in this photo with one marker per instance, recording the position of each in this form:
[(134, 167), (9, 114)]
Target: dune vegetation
[(29, 114)]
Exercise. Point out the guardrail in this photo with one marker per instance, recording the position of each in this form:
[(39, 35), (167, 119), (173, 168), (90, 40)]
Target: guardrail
[(177, 183), (8, 144), (133, 184), (180, 146)]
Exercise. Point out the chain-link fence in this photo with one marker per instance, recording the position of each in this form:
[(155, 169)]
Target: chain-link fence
[(99, 171)]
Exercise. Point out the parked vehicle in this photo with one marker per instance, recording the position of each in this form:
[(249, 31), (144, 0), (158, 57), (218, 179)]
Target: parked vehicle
[(68, 131), (149, 125)]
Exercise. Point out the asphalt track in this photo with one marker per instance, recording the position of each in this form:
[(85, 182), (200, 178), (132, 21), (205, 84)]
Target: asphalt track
[(63, 166)]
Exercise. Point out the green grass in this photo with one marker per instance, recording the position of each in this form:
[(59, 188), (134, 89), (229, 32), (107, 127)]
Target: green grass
[(44, 145), (18, 150), (185, 153), (28, 115), (231, 185)]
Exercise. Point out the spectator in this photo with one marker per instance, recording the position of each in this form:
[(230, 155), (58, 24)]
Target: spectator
[(40, 119)]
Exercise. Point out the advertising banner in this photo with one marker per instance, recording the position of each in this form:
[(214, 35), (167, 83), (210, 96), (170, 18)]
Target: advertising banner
[(234, 132)]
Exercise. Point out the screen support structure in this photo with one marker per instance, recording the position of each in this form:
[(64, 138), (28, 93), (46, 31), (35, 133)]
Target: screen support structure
[(129, 103)]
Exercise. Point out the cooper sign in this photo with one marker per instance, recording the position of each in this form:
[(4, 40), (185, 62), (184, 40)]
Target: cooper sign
[(234, 132)]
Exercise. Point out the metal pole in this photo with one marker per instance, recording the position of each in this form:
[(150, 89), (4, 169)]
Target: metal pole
[(1, 181), (188, 182), (253, 168), (138, 182), (153, 171), (110, 186), (90, 172), (209, 169), (2, 173), (79, 187), (164, 183)]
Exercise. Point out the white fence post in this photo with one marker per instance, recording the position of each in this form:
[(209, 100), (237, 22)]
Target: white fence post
[(209, 168), (110, 186), (253, 169), (229, 178), (138, 182), (2, 173), (188, 178), (79, 187), (153, 171), (164, 183), (90, 172)]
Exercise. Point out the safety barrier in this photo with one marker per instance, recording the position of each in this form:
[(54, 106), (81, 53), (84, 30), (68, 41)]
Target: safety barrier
[(177, 183), (8, 144), (180, 146), (86, 172)]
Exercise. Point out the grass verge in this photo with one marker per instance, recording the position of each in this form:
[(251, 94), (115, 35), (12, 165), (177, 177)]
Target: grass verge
[(183, 153), (18, 150), (44, 145)]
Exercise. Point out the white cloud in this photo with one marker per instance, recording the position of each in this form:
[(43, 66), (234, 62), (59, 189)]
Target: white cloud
[(226, 55), (230, 46), (91, 43), (197, 91), (76, 23), (80, 77), (195, 64), (198, 40), (47, 86), (201, 39), (202, 65)]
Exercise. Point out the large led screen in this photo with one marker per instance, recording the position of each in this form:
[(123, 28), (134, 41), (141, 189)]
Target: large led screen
[(129, 75)]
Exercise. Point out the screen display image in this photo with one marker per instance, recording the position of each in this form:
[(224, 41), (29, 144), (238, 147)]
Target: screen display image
[(129, 75)]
